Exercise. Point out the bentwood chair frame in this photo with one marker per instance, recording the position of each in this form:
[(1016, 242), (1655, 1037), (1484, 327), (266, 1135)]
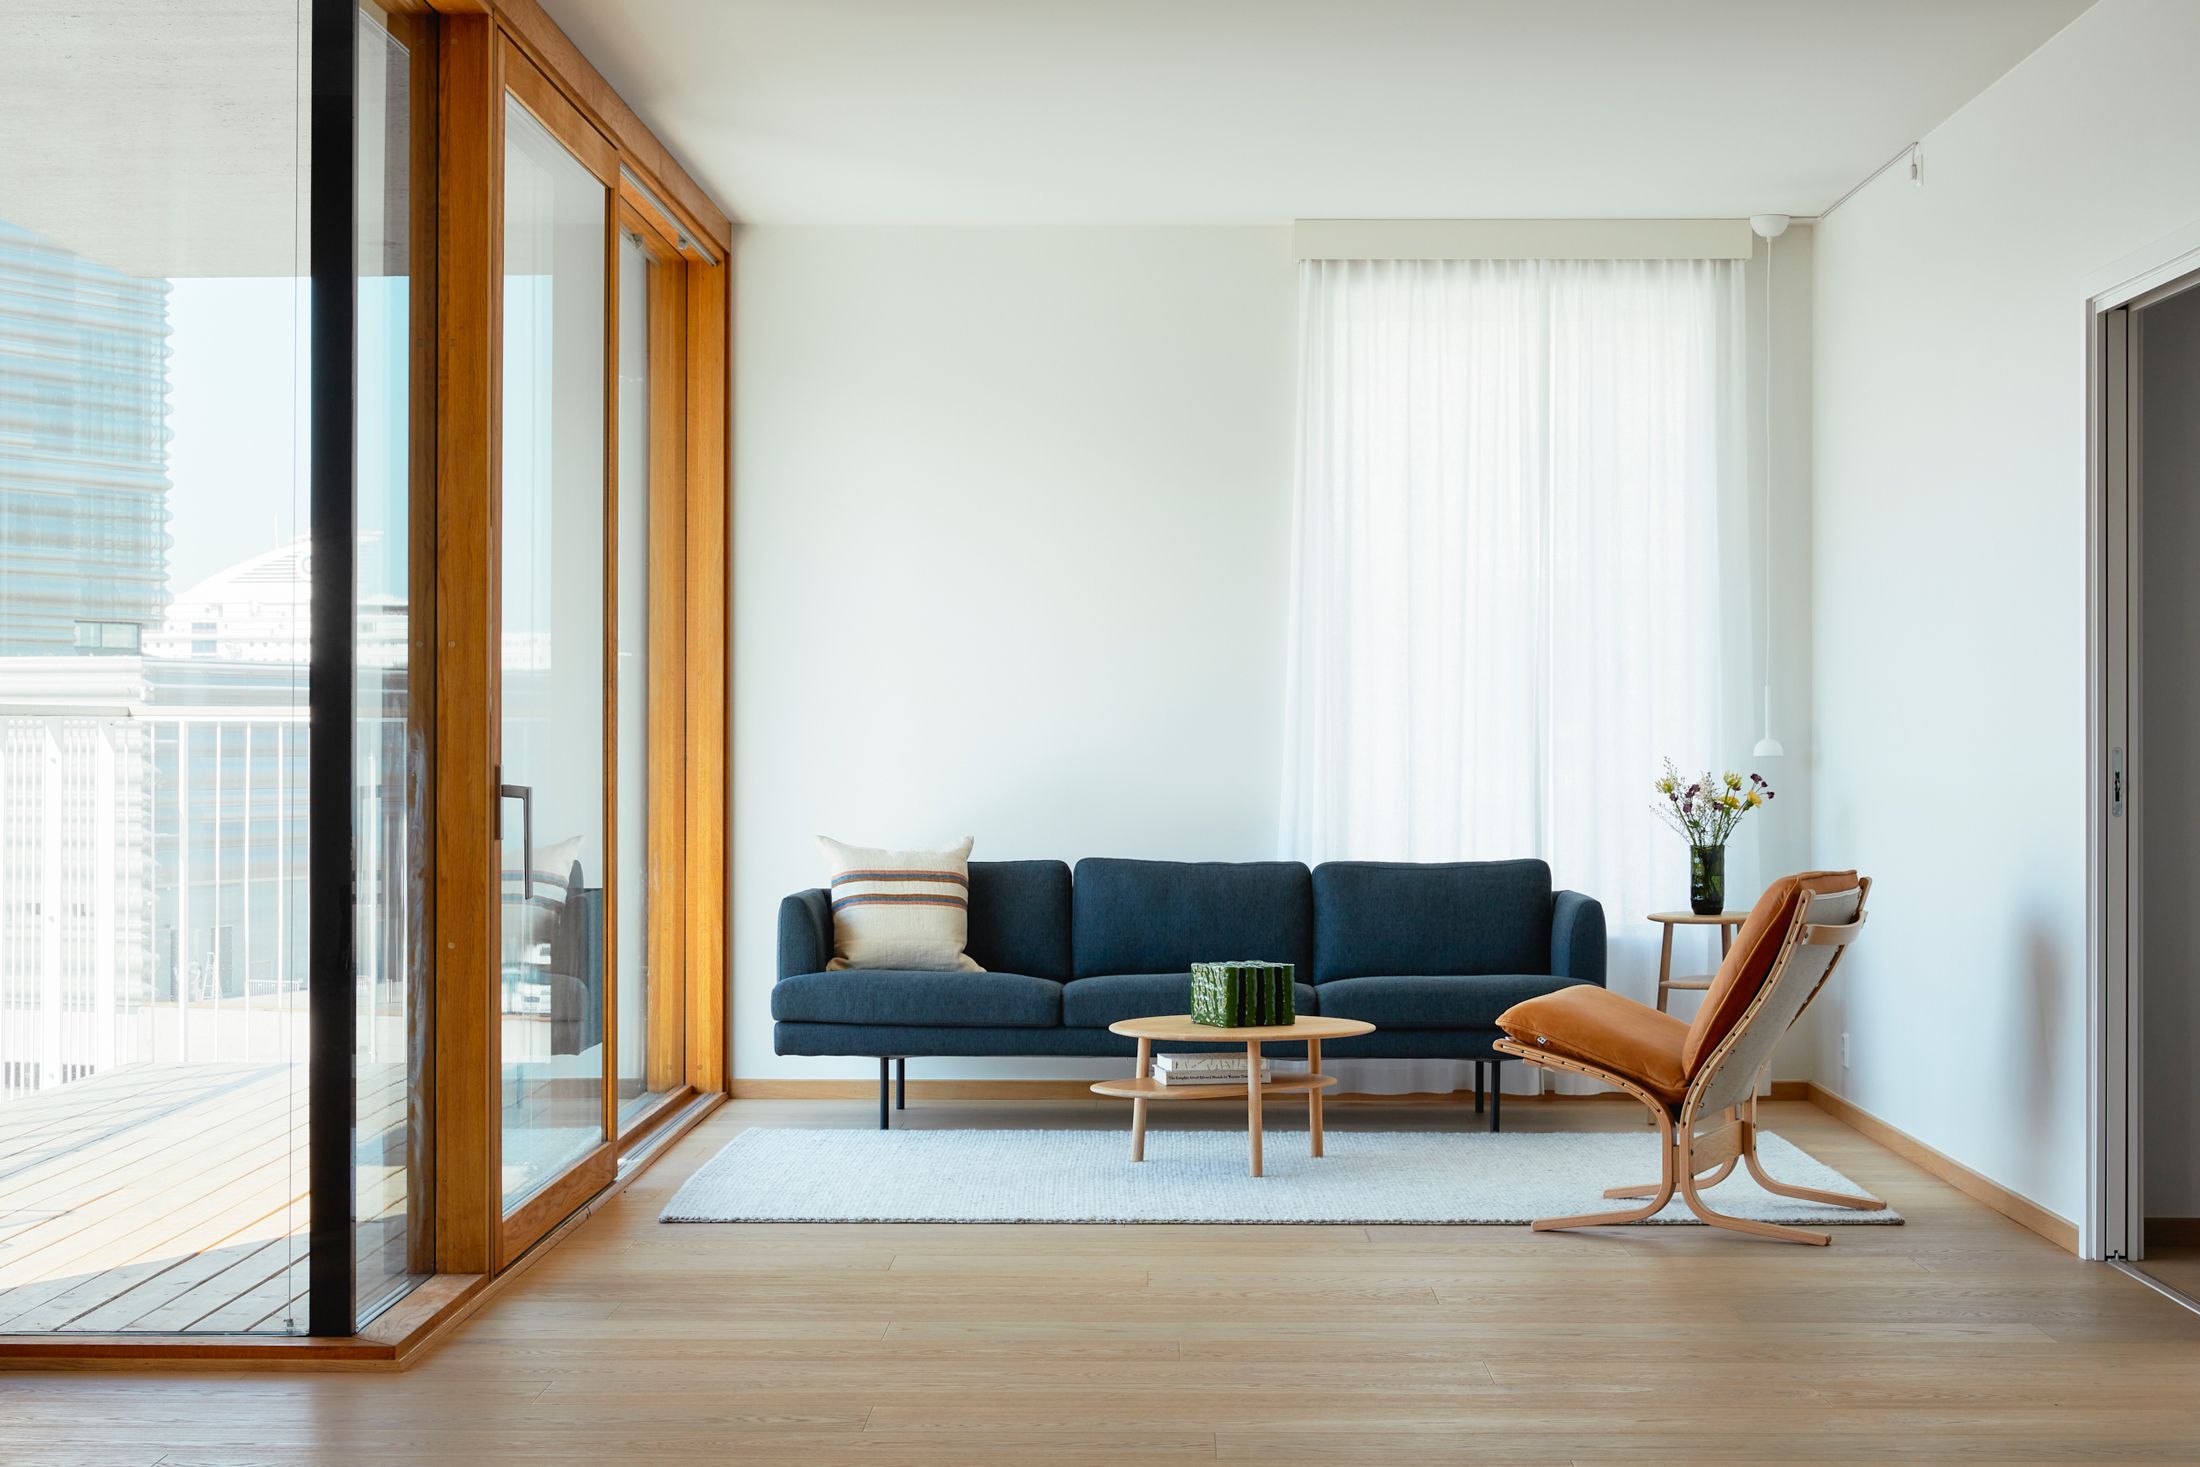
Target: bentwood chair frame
[(1723, 1092)]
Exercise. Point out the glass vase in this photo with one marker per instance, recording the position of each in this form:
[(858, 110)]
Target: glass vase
[(1707, 880)]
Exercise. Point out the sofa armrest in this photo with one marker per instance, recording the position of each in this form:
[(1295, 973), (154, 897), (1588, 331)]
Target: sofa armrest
[(1577, 937), (805, 932)]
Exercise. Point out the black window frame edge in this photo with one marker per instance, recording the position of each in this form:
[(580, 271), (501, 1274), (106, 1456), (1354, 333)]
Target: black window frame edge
[(332, 223)]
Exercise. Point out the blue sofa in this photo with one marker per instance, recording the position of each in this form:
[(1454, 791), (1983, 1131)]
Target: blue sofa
[(1430, 954)]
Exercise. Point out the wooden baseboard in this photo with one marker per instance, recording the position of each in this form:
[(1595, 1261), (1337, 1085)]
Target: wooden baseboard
[(2054, 1227), (395, 1340), (918, 1089), (1082, 1090)]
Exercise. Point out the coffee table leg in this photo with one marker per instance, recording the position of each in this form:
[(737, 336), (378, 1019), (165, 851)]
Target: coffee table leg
[(1138, 1102), (1314, 1096), (1252, 1098)]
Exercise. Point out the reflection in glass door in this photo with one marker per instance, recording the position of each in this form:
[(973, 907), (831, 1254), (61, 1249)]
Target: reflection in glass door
[(551, 778)]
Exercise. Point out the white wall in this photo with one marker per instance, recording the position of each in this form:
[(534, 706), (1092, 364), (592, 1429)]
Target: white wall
[(1948, 575), (2166, 778), (1012, 513), (1011, 537)]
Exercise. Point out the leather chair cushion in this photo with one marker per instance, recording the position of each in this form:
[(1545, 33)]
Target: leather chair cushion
[(1601, 1028)]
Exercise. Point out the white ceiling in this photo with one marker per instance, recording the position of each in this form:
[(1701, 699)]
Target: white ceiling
[(1263, 111)]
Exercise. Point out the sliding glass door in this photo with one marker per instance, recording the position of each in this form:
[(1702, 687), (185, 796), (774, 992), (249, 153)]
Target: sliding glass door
[(553, 797), (155, 577), (393, 652), (350, 855), (651, 482)]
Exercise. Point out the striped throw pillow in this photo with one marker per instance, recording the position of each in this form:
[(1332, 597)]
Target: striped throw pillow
[(900, 909)]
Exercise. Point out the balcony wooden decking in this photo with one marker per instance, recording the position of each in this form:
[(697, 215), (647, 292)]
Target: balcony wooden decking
[(172, 1197)]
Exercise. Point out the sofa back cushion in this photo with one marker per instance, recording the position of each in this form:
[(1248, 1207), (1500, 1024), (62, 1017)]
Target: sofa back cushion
[(1385, 918), (1019, 917), (1164, 916)]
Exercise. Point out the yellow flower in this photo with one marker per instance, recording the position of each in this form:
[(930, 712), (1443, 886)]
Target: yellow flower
[(1733, 781), (1755, 799)]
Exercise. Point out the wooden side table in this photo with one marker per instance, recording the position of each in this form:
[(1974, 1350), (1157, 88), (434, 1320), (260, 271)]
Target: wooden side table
[(1726, 922)]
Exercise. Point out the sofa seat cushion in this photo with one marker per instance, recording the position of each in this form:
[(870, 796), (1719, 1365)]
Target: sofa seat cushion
[(1445, 1001), (1095, 1003), (1601, 1028), (907, 996)]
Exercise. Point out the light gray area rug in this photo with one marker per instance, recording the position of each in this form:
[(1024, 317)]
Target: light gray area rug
[(810, 1175)]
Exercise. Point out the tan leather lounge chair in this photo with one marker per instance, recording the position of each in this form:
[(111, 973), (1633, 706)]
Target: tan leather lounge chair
[(1700, 1079)]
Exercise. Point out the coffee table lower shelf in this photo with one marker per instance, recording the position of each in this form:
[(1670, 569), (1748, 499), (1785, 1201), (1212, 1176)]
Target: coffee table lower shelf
[(1135, 1089)]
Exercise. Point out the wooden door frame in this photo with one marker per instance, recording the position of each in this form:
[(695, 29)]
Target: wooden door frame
[(469, 445)]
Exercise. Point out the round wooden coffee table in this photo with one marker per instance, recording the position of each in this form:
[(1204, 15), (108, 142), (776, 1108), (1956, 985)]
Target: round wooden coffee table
[(1179, 1028)]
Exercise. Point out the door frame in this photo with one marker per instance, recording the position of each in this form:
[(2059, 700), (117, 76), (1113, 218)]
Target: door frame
[(2113, 1224)]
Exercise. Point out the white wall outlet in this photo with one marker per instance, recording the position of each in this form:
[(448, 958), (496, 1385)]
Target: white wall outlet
[(1844, 1049)]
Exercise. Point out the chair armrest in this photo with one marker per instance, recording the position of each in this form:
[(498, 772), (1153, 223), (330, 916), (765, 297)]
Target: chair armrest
[(1577, 937), (805, 932)]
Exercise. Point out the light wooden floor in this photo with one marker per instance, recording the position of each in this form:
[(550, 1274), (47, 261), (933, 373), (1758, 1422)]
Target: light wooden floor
[(1959, 1336)]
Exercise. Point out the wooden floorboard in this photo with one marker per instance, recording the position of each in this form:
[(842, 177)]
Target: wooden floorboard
[(1959, 1337), (161, 1198)]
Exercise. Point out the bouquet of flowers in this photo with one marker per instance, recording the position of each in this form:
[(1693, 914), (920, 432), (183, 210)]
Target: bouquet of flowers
[(1705, 809)]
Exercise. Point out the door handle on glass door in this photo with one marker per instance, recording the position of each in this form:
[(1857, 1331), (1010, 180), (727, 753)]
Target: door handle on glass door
[(525, 794)]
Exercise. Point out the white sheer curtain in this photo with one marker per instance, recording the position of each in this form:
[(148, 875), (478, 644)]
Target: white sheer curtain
[(1520, 573)]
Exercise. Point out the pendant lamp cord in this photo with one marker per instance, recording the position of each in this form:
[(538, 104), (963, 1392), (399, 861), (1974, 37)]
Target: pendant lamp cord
[(1768, 488)]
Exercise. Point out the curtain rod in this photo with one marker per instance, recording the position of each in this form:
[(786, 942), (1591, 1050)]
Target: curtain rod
[(1908, 150)]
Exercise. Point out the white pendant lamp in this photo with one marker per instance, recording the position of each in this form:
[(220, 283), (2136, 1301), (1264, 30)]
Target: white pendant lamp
[(1768, 227)]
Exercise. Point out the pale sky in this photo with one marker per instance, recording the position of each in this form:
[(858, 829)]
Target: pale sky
[(237, 420)]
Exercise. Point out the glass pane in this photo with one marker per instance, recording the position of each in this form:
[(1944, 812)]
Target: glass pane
[(553, 658), (393, 1243), (641, 1072), (153, 644)]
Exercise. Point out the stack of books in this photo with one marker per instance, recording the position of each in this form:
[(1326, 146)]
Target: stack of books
[(1205, 1069)]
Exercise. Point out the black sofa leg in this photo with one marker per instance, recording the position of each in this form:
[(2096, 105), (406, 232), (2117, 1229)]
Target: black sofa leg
[(1497, 1091), (1478, 1086), (883, 1113), (901, 1083)]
